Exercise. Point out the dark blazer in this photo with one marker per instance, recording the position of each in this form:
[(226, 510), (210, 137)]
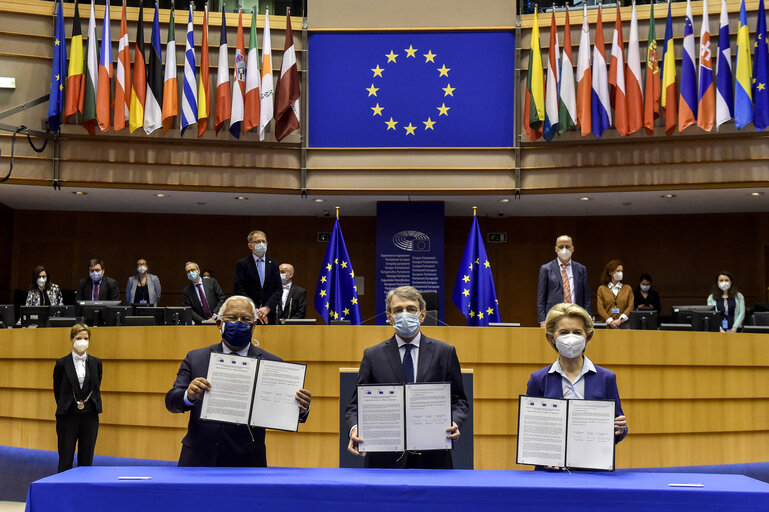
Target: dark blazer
[(65, 381), (601, 385), (246, 282), (108, 290), (211, 443), (437, 362), (550, 287), (296, 303), (214, 297)]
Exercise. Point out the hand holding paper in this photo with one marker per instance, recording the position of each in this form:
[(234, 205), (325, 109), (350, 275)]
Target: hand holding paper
[(196, 389)]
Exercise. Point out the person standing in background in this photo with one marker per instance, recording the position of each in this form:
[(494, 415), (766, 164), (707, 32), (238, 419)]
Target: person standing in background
[(614, 299), (258, 278), (729, 301), (644, 297), (293, 303), (43, 292), (143, 288), (562, 280)]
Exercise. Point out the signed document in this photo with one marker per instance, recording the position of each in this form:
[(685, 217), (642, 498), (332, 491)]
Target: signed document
[(428, 415), (274, 404)]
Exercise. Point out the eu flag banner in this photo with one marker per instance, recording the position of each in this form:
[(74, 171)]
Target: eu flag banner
[(474, 292), (58, 72), (336, 296), (411, 89)]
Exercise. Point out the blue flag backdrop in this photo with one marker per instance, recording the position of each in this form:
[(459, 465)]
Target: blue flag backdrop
[(411, 89), (474, 292), (336, 296)]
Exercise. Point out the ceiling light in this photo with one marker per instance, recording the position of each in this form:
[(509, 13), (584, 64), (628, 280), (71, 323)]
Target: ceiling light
[(319, 200), (668, 196), (756, 194), (504, 200), (585, 198), (80, 193), (241, 198), (161, 196)]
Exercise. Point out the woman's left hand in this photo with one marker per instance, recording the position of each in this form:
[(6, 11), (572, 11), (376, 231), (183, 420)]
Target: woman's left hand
[(620, 424)]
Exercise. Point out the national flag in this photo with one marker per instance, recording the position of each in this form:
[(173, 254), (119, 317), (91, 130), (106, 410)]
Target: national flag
[(601, 113), (223, 98), (253, 79), (238, 82), (154, 96), (761, 67), (567, 104), (584, 78), (553, 82), (105, 74), (652, 85), (189, 91), (474, 292), (633, 81), (204, 82), (706, 106), (669, 78), (743, 96), (287, 92), (75, 80), (724, 84), (56, 101), (267, 97), (139, 87), (122, 76), (170, 90), (617, 93), (91, 79), (534, 100), (687, 106), (336, 297)]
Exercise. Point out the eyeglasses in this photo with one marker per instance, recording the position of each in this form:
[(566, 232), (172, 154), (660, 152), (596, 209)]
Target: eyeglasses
[(400, 309), (246, 319)]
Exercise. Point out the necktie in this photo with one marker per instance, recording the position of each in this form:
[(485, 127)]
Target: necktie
[(203, 301), (95, 295), (408, 363), (566, 286), (260, 268)]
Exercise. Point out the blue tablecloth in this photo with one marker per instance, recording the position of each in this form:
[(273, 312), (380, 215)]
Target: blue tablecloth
[(361, 490)]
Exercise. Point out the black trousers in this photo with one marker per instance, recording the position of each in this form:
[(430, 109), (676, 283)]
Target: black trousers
[(80, 429)]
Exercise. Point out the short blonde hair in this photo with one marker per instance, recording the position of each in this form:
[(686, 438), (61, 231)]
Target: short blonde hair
[(564, 310), (253, 234), (79, 328), (405, 292)]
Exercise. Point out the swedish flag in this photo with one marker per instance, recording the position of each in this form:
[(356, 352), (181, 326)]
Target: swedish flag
[(336, 296), (474, 292)]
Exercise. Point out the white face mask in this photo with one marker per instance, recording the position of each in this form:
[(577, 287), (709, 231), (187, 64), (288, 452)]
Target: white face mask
[(570, 345), (618, 276), (646, 287), (283, 277), (406, 324), (564, 254), (141, 269), (41, 281), (81, 345), (724, 285), (260, 249)]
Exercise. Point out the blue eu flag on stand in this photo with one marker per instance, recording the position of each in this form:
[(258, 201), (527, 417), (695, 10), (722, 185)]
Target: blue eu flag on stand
[(336, 296), (58, 72), (474, 292)]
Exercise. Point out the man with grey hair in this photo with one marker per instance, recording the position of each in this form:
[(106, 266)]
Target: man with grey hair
[(258, 277), (293, 303), (203, 294), (562, 280), (210, 443), (409, 356)]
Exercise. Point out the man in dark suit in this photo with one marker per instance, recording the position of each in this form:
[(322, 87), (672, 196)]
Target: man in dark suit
[(293, 303), (258, 277), (562, 280), (76, 387), (409, 356), (203, 295), (96, 286), (210, 443)]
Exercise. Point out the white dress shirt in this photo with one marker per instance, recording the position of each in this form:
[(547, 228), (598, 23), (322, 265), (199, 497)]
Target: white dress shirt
[(574, 389), (286, 289), (80, 366)]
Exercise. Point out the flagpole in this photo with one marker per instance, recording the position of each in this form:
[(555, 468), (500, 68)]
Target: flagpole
[(337, 212), (475, 211)]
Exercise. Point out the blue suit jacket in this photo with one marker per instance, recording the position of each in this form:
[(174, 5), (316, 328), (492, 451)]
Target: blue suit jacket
[(550, 288), (601, 385)]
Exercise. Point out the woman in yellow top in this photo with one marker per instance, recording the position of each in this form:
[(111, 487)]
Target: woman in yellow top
[(615, 300)]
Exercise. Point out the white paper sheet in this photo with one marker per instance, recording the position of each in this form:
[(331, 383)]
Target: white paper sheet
[(590, 434), (541, 431), (381, 418), (232, 382), (275, 404), (428, 415)]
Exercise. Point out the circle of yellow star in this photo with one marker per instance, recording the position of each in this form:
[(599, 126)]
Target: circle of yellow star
[(377, 112), (391, 56), (444, 110), (444, 71), (448, 90), (429, 56), (410, 51), (391, 124), (377, 70), (429, 124), (372, 90), (410, 129)]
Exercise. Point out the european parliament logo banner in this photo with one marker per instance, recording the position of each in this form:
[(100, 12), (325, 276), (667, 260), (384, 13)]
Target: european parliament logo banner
[(411, 89)]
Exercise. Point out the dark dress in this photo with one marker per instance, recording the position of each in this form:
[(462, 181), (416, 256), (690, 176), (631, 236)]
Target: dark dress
[(652, 299)]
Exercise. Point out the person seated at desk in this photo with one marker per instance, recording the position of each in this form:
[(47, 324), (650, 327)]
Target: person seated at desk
[(644, 297), (143, 288), (729, 301), (96, 286), (43, 292), (210, 443), (293, 303), (615, 300), (203, 294), (568, 329)]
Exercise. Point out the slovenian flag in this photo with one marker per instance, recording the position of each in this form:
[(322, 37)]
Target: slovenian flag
[(584, 78), (724, 86), (601, 105), (706, 107), (687, 106)]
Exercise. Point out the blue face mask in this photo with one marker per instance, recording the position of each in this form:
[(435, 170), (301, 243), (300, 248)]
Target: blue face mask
[(192, 276), (237, 334), (406, 324)]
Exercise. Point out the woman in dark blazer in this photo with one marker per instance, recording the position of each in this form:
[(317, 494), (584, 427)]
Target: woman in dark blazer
[(43, 292), (76, 387)]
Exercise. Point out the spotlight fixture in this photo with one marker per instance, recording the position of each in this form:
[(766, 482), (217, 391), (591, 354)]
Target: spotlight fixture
[(504, 200), (585, 198), (319, 200), (668, 196), (80, 193), (241, 198), (756, 194), (161, 195)]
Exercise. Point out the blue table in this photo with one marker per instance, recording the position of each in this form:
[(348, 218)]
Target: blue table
[(360, 490)]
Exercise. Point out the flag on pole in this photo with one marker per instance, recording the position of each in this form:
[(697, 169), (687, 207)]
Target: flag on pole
[(633, 82), (743, 96), (601, 113), (91, 72), (58, 70), (267, 97), (189, 90), (105, 74), (669, 78), (724, 85), (287, 92), (617, 93), (170, 100), (567, 104), (223, 98), (474, 292), (75, 79), (553, 82), (123, 76), (238, 82), (139, 85), (154, 96), (253, 78), (204, 82), (534, 100), (584, 78), (687, 106), (761, 67), (336, 297), (706, 106), (652, 86)]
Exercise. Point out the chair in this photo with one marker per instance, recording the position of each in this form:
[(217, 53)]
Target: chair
[(761, 318)]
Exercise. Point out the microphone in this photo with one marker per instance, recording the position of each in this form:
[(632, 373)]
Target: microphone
[(373, 317)]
